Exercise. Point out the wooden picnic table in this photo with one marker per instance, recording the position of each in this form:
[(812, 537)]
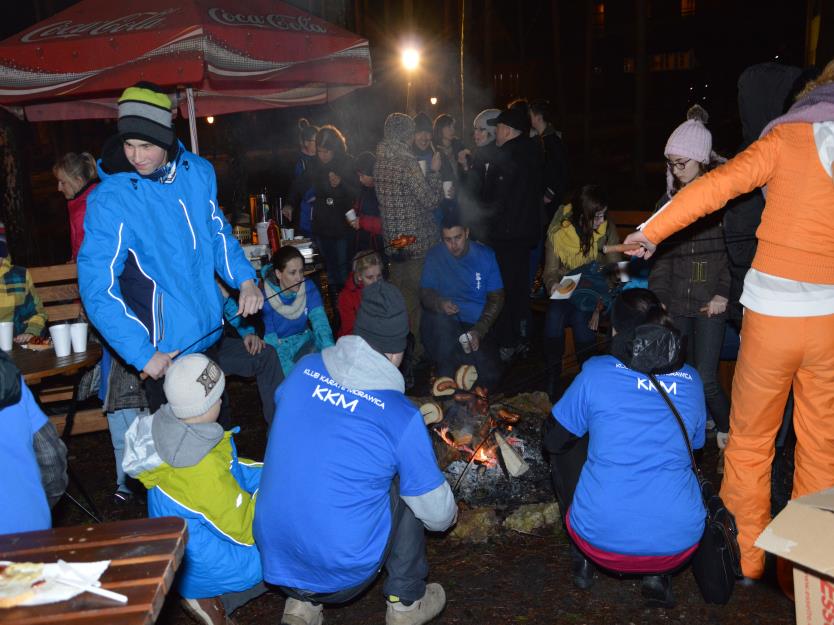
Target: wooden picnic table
[(144, 555), (35, 365)]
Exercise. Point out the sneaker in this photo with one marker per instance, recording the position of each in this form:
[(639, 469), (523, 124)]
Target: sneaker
[(657, 591), (206, 611), (298, 612), (421, 611), (122, 498)]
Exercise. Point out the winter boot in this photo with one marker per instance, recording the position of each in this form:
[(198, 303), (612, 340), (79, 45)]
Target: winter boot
[(302, 613), (421, 611), (582, 569), (657, 591), (207, 611)]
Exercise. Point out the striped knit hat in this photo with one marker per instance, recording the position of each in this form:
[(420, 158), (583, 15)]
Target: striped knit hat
[(145, 113)]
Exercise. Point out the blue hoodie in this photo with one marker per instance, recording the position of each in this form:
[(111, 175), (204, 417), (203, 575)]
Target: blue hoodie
[(151, 248)]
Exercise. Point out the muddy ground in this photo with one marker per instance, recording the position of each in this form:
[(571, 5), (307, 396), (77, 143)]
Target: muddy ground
[(514, 578)]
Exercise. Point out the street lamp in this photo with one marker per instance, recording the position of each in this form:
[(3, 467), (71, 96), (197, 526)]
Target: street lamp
[(433, 101), (210, 119), (410, 58)]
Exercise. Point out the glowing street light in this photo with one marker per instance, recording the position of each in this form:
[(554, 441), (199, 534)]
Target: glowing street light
[(210, 119), (433, 101), (410, 59)]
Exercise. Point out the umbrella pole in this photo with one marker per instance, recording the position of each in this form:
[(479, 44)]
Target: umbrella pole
[(192, 120)]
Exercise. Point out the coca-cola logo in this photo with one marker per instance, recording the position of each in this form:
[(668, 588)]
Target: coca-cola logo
[(68, 29), (297, 23)]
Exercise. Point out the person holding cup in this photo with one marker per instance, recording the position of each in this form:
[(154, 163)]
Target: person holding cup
[(336, 189), (20, 305), (462, 295)]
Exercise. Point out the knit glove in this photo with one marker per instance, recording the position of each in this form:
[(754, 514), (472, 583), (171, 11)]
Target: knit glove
[(721, 439)]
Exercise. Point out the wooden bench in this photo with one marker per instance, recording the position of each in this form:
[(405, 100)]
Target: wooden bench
[(57, 286)]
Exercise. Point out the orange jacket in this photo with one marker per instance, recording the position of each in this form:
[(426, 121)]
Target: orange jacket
[(796, 240)]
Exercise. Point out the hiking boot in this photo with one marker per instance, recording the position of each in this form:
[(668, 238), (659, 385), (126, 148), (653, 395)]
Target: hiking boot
[(657, 591), (302, 613), (421, 611), (206, 611), (582, 569)]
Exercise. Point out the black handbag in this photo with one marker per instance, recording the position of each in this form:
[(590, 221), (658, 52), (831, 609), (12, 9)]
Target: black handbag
[(717, 562)]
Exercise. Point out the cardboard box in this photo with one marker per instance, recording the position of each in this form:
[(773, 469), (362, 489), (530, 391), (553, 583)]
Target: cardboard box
[(804, 534)]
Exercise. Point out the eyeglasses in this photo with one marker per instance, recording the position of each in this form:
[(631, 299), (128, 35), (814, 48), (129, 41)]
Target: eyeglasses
[(679, 165)]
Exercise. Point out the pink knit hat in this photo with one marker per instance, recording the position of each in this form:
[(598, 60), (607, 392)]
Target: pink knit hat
[(691, 139)]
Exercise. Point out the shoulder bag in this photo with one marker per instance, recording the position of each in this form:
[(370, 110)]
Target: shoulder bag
[(717, 562)]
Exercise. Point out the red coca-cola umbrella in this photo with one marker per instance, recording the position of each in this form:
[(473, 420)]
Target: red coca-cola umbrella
[(224, 55)]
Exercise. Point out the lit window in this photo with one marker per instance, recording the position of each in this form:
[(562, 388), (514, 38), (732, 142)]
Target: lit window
[(687, 7)]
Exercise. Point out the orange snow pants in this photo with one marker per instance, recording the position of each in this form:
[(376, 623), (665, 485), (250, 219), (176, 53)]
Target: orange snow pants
[(775, 353)]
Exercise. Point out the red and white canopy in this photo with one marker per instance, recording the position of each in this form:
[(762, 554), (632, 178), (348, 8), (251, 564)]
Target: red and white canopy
[(235, 56)]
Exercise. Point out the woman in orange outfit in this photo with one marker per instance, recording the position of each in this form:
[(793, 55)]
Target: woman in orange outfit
[(788, 331)]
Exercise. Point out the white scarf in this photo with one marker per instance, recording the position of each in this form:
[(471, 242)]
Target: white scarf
[(294, 309)]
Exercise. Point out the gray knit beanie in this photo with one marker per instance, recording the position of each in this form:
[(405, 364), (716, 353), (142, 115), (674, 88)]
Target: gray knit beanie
[(382, 319)]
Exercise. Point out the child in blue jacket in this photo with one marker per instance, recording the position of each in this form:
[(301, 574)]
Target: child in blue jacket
[(191, 469)]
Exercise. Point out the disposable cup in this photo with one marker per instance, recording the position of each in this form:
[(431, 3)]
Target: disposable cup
[(350, 215), (622, 266), (287, 233), (61, 341), (448, 187), (423, 166), (78, 336), (465, 342), (263, 237), (6, 335)]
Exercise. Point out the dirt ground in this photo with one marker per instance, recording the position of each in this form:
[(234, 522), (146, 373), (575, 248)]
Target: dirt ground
[(514, 578)]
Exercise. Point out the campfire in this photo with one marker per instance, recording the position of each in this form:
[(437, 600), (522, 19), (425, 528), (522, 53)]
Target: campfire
[(470, 428)]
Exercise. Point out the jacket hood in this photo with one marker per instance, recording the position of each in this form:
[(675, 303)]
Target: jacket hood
[(182, 444), (140, 451), (356, 365), (399, 127), (649, 348), (762, 93)]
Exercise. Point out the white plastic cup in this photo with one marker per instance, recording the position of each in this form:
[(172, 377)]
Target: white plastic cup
[(622, 266), (263, 237), (6, 335), (287, 233), (448, 185), (465, 340), (423, 166), (350, 216), (78, 337), (61, 341)]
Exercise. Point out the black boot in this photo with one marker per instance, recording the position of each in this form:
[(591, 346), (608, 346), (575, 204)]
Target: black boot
[(582, 569), (657, 591)]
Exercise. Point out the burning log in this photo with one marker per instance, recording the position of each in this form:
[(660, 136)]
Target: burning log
[(513, 462)]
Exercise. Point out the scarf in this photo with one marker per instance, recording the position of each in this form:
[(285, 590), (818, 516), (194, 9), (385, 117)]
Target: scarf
[(168, 172), (565, 241), (294, 309), (817, 106)]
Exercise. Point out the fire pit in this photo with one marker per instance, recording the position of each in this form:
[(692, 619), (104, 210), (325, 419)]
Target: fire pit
[(490, 451)]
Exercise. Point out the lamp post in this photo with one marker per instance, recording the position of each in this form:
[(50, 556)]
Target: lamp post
[(410, 58)]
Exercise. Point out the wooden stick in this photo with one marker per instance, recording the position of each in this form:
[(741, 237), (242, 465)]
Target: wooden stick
[(620, 247)]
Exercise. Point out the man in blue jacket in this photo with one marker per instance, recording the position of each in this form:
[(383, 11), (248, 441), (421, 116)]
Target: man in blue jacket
[(154, 238), (350, 480)]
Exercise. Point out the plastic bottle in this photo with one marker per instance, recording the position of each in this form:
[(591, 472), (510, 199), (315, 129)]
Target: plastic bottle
[(273, 233)]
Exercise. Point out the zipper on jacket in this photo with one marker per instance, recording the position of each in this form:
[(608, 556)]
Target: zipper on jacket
[(188, 220), (161, 318)]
